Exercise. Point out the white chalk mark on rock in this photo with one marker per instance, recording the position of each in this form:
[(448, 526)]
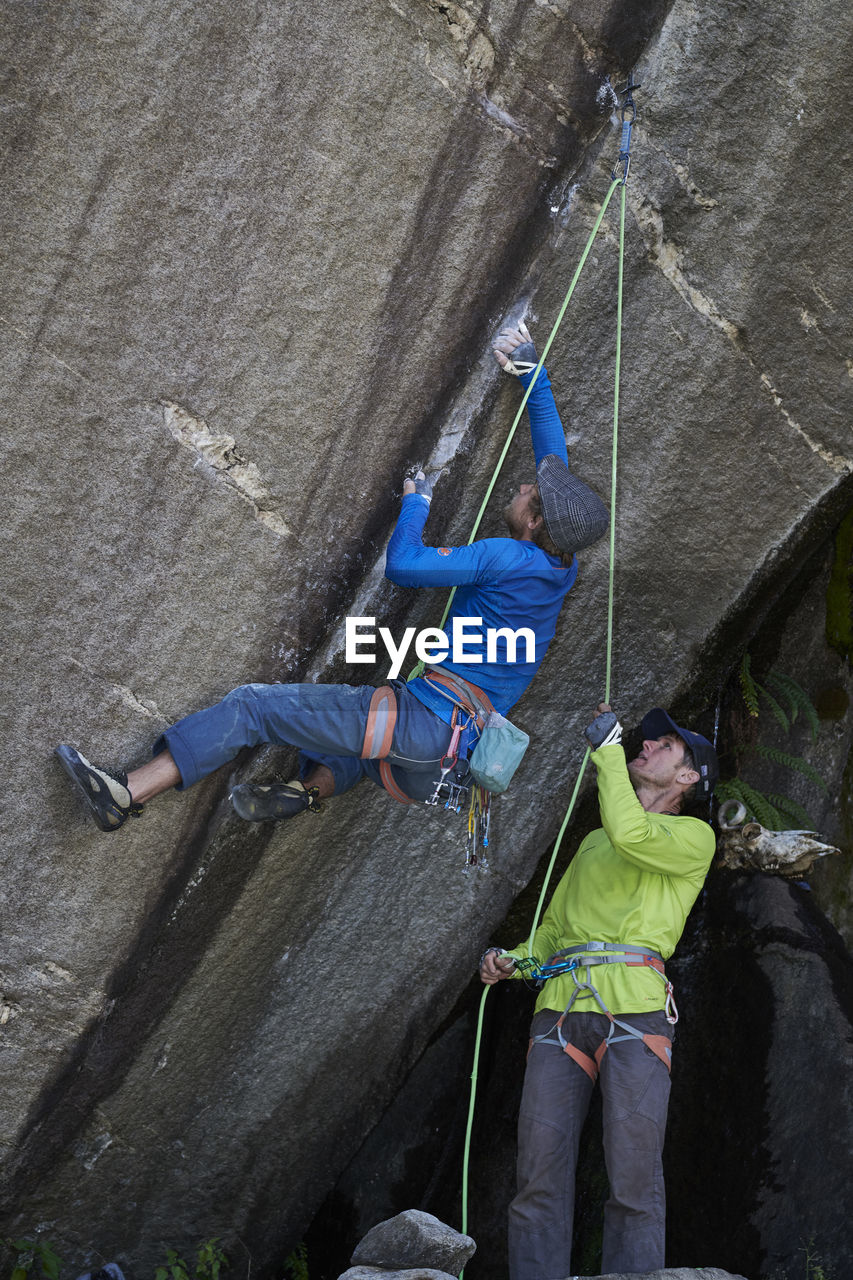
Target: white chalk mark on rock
[(842, 466), (667, 256), (704, 202), (88, 1155), (221, 453), (503, 117), (142, 706), (8, 1010), (605, 96)]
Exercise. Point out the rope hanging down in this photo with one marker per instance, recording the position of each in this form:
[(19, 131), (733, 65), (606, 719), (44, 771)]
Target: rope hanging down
[(628, 119)]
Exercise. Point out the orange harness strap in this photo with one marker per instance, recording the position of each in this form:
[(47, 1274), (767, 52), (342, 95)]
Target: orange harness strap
[(378, 736), (381, 719), (661, 1047), (391, 786), (471, 698), (587, 1064), (583, 1060)]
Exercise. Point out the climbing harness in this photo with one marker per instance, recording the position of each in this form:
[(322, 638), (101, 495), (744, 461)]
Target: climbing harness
[(584, 957), (587, 954), (629, 116), (471, 709)]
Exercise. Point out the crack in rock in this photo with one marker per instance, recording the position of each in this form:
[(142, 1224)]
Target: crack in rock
[(840, 465), (668, 257), (703, 201), (475, 52), (826, 302), (221, 453), (473, 47)]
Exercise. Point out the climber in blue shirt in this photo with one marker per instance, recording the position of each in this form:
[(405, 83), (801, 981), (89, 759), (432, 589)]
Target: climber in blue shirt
[(510, 591)]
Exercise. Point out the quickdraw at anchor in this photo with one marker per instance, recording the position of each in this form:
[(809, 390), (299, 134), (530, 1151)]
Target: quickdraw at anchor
[(629, 117)]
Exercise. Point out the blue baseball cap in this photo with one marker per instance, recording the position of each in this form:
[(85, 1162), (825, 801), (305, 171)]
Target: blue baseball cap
[(657, 723)]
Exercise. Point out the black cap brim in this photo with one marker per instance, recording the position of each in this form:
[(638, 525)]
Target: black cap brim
[(657, 723)]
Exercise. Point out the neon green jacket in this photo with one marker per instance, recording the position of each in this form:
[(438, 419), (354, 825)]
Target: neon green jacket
[(634, 879)]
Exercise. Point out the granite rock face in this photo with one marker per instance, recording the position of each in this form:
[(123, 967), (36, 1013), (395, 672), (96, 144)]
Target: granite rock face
[(254, 258)]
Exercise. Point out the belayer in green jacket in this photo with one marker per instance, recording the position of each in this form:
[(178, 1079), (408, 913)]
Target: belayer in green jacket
[(606, 1009)]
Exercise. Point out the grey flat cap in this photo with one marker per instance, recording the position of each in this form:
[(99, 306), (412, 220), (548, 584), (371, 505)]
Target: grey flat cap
[(575, 517)]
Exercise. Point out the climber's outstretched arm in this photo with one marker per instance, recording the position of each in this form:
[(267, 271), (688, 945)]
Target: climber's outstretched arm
[(515, 353)]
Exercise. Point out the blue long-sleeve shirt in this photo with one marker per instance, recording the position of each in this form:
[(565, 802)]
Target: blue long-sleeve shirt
[(508, 582)]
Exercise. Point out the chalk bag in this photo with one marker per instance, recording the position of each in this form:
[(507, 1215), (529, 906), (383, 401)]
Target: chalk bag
[(498, 753)]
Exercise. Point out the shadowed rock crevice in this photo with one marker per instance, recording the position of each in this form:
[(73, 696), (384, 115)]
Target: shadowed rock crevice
[(140, 993), (761, 979)]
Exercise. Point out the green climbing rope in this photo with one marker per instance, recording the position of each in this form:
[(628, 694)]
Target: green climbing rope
[(551, 336), (470, 1125), (610, 596), (610, 576)]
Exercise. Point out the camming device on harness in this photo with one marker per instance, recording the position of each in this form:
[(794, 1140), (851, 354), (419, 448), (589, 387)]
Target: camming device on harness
[(456, 783), (583, 957)]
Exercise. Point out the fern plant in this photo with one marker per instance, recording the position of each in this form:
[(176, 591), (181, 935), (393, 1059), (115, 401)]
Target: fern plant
[(33, 1258), (296, 1263), (785, 700), (209, 1262)]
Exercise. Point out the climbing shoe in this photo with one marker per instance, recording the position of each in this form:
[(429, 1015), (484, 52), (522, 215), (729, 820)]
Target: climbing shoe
[(112, 1271), (106, 793), (275, 801)]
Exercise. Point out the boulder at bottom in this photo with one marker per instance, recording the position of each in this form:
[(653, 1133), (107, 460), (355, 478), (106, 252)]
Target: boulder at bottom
[(668, 1273), (381, 1273), (414, 1239)]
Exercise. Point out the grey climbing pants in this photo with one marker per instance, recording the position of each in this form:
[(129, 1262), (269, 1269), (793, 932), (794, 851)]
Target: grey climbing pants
[(557, 1092)]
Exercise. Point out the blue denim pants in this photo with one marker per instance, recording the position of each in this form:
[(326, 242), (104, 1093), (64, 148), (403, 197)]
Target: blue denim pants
[(635, 1092), (326, 721)]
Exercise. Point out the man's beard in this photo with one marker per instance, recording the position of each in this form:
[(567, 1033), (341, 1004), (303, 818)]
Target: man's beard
[(633, 778)]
